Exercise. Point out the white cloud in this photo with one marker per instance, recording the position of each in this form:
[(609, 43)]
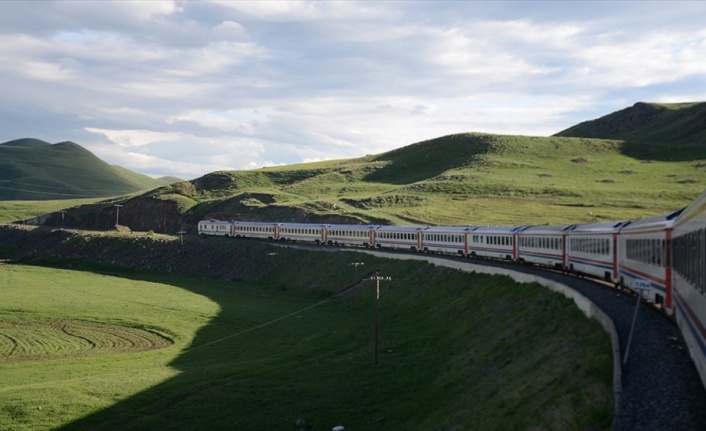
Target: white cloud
[(298, 10), (187, 87), (170, 153), (134, 138), (229, 30), (143, 11)]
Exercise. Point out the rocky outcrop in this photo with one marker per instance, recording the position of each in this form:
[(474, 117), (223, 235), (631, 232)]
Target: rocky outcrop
[(140, 214)]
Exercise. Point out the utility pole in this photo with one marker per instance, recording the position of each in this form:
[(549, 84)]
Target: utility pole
[(355, 270), (117, 214), (377, 279), (272, 277), (640, 286)]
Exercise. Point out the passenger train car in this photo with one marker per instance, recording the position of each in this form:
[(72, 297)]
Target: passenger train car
[(689, 277), (591, 249), (662, 258), (450, 239), (543, 245), (644, 258), (493, 242)]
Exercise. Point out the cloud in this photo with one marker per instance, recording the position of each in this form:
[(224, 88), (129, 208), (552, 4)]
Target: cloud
[(184, 87), (135, 138)]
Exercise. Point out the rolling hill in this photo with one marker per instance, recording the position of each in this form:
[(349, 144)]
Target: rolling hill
[(31, 169), (461, 179), (667, 131)]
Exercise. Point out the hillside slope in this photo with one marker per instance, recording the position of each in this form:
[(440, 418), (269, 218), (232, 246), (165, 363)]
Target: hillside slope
[(462, 179), (670, 131), (31, 169)]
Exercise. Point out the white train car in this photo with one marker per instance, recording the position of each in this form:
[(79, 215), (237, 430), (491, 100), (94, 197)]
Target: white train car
[(591, 249), (495, 242), (255, 229), (304, 232), (445, 239), (399, 237), (689, 278), (543, 245), (643, 258), (214, 227), (360, 235)]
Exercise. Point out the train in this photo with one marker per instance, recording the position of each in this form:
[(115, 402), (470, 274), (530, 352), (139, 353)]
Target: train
[(662, 258)]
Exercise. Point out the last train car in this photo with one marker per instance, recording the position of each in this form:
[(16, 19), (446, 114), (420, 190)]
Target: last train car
[(214, 227)]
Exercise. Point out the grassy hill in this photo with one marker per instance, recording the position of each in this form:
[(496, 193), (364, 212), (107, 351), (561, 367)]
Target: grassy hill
[(31, 169), (463, 179), (668, 131)]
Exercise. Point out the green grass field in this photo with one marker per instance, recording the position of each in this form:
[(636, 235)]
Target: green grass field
[(106, 351)]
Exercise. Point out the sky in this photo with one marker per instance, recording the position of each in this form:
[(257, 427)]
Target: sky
[(185, 88)]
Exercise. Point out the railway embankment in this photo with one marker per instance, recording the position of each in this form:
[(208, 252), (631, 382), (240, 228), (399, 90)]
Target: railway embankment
[(195, 256), (657, 387)]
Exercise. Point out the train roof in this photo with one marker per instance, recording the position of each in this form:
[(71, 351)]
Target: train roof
[(401, 228), (545, 229), (694, 212), (602, 227), (353, 226), (661, 221), (255, 223), (498, 230), (448, 229), (302, 225)]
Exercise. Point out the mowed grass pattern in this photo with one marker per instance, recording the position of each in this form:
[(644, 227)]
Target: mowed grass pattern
[(21, 341), (78, 342)]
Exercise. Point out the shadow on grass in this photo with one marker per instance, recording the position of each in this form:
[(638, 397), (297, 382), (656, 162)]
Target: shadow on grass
[(660, 152), (428, 159), (272, 355)]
